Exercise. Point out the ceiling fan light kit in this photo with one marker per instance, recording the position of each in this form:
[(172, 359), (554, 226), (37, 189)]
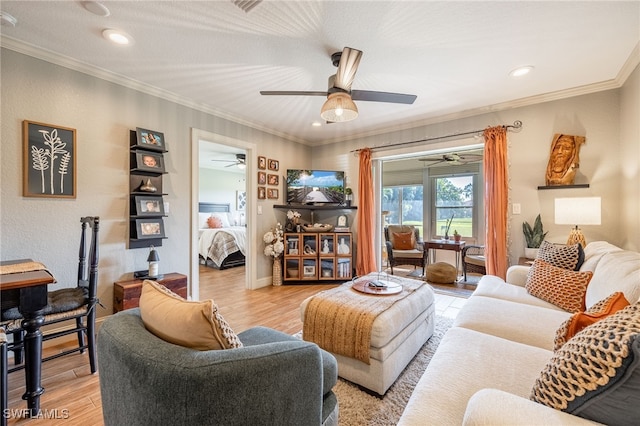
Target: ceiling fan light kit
[(339, 108)]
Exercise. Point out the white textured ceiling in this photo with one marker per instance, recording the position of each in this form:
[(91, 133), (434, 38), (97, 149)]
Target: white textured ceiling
[(455, 56)]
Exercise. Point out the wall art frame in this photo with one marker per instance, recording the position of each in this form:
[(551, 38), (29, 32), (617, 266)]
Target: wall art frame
[(273, 193), (262, 178), (241, 200), (274, 165), (150, 139), (262, 193), (149, 228), (49, 160), (149, 161), (149, 206), (262, 162), (273, 180)]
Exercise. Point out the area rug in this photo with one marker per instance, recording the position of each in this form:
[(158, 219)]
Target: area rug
[(357, 407)]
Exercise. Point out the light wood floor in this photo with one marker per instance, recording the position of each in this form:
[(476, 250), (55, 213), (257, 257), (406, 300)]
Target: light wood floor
[(72, 394)]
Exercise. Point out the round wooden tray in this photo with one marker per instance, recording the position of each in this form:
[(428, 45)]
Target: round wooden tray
[(364, 287)]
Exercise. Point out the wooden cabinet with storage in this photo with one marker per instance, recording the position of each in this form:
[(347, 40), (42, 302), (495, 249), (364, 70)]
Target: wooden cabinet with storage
[(126, 293), (318, 256)]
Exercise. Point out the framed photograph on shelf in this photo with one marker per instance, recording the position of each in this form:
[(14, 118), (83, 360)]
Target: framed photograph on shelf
[(272, 193), (308, 271), (149, 139), (274, 165), (49, 160), (273, 179), (342, 221), (262, 193), (149, 206), (149, 161), (262, 178), (262, 162), (149, 228)]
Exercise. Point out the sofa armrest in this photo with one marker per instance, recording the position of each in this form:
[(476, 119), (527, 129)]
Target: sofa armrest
[(496, 407), (517, 275)]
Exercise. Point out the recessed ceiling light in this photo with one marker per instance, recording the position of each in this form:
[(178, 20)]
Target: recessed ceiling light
[(316, 124), (117, 36), (96, 8), (520, 71), (7, 19)]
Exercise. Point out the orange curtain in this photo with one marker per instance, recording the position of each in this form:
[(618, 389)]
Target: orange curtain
[(496, 200), (366, 257)]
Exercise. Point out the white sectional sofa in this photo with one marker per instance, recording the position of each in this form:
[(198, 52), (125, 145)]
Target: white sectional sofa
[(486, 365)]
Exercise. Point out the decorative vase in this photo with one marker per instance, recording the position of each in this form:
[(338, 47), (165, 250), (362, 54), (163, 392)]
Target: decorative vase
[(147, 187), (277, 271), (530, 253), (457, 238)]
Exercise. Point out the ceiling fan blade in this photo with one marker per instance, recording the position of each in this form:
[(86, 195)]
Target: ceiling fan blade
[(373, 96), (347, 68), (291, 93)]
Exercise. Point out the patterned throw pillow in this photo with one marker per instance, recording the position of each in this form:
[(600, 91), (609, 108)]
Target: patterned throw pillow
[(579, 321), (561, 255), (596, 374), (403, 241), (561, 287), (214, 222), (196, 325)]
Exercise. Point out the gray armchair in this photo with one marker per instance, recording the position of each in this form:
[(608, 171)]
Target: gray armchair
[(274, 379)]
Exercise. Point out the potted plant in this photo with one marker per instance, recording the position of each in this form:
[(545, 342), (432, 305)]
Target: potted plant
[(456, 236), (533, 237), (348, 193)]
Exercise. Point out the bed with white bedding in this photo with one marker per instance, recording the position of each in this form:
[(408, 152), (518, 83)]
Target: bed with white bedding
[(223, 247)]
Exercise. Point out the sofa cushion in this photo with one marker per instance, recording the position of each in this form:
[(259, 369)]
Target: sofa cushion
[(561, 287), (561, 255), (615, 271), (497, 288), (196, 325), (596, 374), (594, 251), (580, 320)]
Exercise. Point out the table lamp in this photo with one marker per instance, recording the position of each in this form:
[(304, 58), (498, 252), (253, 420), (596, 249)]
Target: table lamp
[(577, 211), (154, 262)]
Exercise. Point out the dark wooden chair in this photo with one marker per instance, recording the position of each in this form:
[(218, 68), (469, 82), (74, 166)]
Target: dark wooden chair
[(415, 256), (473, 260), (76, 304)]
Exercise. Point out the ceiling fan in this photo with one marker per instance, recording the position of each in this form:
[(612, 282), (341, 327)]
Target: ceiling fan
[(240, 161), (339, 106), (451, 158)]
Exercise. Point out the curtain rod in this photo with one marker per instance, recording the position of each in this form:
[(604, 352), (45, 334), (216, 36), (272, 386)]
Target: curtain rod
[(517, 125)]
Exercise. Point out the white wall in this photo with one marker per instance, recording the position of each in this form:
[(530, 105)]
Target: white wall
[(103, 113)]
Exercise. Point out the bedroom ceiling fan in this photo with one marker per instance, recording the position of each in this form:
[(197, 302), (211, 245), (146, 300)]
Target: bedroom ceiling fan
[(451, 158), (339, 106), (240, 161)]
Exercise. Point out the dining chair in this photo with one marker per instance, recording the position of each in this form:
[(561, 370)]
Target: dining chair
[(76, 304)]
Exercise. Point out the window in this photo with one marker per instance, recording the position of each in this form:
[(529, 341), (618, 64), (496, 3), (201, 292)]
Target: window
[(453, 196), (404, 204)]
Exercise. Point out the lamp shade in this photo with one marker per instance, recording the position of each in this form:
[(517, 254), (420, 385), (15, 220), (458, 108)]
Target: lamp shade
[(339, 107), (153, 255), (578, 211)]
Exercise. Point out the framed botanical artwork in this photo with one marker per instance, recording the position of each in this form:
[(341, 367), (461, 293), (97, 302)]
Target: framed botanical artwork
[(149, 206), (262, 162), (149, 228), (262, 178), (49, 160), (272, 193), (149, 161), (241, 200), (274, 165), (273, 179), (262, 193), (149, 139)]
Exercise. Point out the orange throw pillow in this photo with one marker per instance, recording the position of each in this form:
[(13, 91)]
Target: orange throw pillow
[(214, 222), (561, 287), (581, 320), (403, 241)]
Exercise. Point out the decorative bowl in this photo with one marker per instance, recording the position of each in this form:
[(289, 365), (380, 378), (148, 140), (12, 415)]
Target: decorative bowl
[(292, 272), (325, 227)]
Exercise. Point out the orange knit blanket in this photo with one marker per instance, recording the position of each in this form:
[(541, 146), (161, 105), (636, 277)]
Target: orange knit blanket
[(340, 320)]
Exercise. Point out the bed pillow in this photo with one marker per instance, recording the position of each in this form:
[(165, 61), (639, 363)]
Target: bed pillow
[(561, 255), (403, 241), (558, 286), (214, 222), (224, 219), (580, 320), (596, 374), (195, 325), (202, 220)]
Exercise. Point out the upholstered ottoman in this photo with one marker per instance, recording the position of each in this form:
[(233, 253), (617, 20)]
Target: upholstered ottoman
[(397, 333)]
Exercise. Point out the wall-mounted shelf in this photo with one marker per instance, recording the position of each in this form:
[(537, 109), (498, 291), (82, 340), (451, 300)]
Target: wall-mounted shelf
[(580, 185), (313, 207)]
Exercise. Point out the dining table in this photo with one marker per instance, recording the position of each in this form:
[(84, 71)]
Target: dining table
[(24, 283)]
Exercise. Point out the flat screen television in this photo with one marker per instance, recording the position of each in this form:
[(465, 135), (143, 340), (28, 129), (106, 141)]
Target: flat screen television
[(315, 186)]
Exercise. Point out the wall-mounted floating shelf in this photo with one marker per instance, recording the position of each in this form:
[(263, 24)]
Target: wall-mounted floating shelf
[(580, 185)]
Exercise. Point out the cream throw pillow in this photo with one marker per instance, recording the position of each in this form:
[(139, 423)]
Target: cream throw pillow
[(196, 325)]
